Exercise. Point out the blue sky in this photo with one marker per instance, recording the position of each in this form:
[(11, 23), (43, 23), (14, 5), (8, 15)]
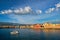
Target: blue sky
[(29, 11)]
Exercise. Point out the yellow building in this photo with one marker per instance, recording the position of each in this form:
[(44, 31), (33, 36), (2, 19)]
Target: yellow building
[(49, 25), (22, 27), (31, 26)]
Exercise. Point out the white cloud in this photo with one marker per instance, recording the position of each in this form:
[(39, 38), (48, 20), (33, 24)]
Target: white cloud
[(2, 12), (38, 11), (50, 10), (6, 11), (21, 10), (17, 11), (27, 9), (24, 10), (57, 6)]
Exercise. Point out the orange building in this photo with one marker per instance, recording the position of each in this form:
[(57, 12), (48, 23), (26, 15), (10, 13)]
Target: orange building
[(37, 26)]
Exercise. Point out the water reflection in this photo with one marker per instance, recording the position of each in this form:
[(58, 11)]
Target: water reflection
[(30, 34)]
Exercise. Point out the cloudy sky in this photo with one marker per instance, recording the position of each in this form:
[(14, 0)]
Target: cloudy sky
[(29, 11)]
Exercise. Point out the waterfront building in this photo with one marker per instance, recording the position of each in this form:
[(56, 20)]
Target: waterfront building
[(36, 26), (50, 25), (31, 26)]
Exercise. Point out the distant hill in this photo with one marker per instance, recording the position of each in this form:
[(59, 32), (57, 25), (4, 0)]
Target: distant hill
[(8, 23), (55, 22)]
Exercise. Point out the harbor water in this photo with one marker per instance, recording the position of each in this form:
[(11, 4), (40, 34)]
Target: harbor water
[(30, 34)]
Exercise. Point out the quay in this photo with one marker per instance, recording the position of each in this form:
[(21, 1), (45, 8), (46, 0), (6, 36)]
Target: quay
[(34, 26)]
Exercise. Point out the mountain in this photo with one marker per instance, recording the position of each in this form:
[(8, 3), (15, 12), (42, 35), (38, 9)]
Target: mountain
[(8, 23)]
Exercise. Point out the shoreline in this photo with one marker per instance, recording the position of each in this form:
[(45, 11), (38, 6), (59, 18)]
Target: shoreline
[(34, 28)]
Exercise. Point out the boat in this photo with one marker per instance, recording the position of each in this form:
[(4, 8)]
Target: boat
[(14, 32)]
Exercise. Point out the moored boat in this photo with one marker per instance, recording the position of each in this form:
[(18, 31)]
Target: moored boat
[(14, 32)]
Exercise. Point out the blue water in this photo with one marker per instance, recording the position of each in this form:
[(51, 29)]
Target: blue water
[(30, 34)]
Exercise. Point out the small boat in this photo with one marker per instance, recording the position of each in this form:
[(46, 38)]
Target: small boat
[(14, 32)]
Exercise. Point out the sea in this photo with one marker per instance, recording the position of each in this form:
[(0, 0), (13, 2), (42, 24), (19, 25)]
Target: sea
[(30, 34)]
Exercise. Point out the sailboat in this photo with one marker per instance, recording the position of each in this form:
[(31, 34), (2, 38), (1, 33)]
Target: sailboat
[(14, 32)]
